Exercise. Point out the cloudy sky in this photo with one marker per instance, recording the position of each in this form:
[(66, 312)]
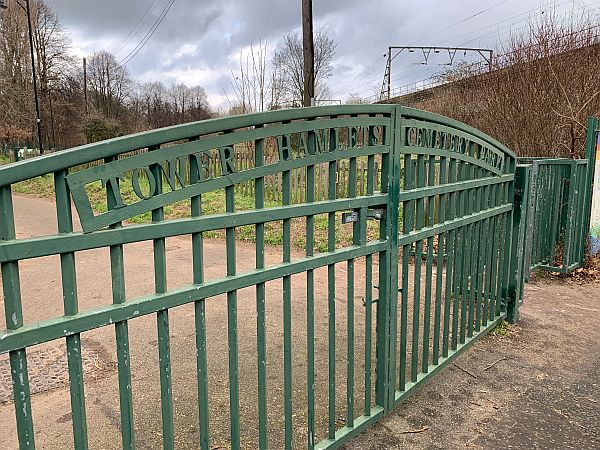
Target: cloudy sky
[(199, 41)]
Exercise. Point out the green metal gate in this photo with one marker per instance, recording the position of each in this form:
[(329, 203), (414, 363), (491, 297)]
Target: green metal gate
[(446, 247)]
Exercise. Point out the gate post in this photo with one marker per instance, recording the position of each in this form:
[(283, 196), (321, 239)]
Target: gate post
[(592, 156), (517, 259), (388, 272)]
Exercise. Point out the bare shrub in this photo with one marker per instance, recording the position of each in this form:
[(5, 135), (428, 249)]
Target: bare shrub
[(539, 92)]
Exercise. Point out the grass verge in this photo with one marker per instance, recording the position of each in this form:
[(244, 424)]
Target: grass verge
[(212, 203)]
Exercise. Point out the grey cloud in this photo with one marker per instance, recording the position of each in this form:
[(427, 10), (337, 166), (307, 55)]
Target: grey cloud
[(219, 29)]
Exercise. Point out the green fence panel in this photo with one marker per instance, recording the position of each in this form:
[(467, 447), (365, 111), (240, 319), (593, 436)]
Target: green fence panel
[(560, 205)]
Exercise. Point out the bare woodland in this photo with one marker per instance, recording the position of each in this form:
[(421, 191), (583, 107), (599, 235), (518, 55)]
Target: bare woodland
[(117, 103)]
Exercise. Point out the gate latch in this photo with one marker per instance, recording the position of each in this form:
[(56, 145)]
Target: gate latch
[(352, 216), (375, 214)]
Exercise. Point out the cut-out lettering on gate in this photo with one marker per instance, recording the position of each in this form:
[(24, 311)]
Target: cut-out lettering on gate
[(153, 179), (470, 148)]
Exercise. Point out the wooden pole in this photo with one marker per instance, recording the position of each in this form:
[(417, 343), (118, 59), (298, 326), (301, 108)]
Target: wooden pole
[(38, 119), (85, 98), (309, 53)]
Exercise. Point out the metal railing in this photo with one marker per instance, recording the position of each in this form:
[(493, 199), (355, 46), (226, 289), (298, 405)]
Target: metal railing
[(559, 207)]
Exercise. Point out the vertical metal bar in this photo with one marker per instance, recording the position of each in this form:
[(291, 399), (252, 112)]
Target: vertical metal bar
[(368, 330), (287, 315), (69, 288), (368, 293), (117, 269), (483, 238), (13, 311), (232, 338), (474, 274), (491, 228), (310, 300), (483, 267), (450, 246), (459, 261), (417, 274), (162, 321), (350, 300), (261, 345), (429, 269), (331, 195), (388, 300), (442, 238), (408, 216), (495, 240), (465, 315), (200, 315)]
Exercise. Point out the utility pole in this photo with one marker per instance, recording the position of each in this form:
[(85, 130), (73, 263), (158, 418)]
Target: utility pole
[(52, 119), (309, 53), (35, 91), (389, 73), (85, 99)]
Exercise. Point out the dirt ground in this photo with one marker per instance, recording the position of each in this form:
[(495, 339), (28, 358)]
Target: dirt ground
[(535, 385)]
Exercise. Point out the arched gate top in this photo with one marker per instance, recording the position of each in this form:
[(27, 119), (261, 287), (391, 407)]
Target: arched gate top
[(83, 154)]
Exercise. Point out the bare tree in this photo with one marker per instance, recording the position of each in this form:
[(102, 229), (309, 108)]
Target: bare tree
[(15, 75), (119, 105), (163, 106), (253, 87), (109, 84), (54, 64), (198, 106), (288, 62)]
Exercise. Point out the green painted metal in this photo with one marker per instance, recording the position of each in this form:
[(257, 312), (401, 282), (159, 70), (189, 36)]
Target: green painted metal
[(559, 203), (519, 225), (447, 248), (117, 267)]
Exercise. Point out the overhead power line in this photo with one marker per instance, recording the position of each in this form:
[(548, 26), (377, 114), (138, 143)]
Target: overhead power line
[(121, 45), (386, 86), (472, 16), (148, 35)]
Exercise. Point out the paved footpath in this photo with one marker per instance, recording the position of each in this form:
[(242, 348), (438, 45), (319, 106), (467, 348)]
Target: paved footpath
[(537, 386)]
